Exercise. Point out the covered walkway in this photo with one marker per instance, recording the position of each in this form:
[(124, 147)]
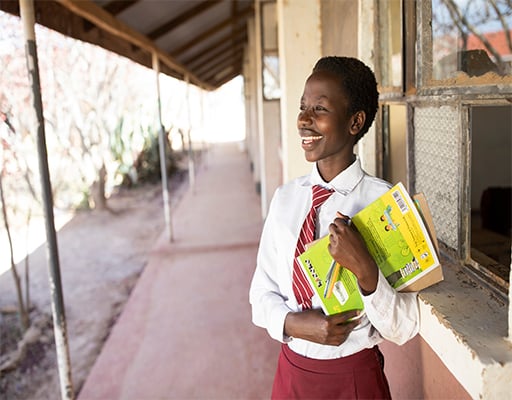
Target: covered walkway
[(186, 331)]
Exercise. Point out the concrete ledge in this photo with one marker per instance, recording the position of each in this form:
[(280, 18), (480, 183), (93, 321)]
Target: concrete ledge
[(466, 326)]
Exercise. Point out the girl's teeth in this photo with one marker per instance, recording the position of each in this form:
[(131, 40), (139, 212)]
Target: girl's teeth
[(310, 139)]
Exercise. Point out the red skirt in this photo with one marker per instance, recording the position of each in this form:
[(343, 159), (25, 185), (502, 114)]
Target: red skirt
[(358, 376)]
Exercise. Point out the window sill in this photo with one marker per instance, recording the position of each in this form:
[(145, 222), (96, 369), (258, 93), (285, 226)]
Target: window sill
[(466, 326)]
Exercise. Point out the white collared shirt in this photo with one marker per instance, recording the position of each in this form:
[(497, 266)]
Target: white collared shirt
[(389, 314)]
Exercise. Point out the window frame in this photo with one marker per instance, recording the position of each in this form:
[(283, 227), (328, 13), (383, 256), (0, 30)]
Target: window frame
[(428, 86), (269, 51), (480, 271), (444, 323), (396, 95), (465, 93)]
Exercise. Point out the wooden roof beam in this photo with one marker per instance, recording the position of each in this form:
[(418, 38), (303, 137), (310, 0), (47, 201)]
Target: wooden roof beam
[(180, 19), (213, 64), (222, 74), (118, 6), (215, 51), (240, 16), (227, 78), (114, 7), (218, 66), (230, 50), (240, 33)]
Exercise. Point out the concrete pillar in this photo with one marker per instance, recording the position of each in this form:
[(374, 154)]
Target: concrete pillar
[(299, 49)]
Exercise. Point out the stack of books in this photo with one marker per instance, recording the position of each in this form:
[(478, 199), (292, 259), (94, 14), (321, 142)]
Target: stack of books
[(400, 236)]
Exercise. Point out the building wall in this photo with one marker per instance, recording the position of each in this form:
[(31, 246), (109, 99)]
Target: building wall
[(367, 147), (272, 131), (462, 350), (299, 49), (338, 27), (414, 371)]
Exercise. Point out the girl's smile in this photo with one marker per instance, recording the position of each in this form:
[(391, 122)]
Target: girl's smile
[(309, 139)]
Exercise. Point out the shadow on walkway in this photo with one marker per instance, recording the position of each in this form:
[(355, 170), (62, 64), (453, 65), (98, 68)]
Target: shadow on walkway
[(186, 331)]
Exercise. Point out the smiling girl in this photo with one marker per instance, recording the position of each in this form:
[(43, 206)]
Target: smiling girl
[(333, 356)]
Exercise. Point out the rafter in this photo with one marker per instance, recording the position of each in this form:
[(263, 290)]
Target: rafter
[(226, 78), (240, 33), (230, 69), (228, 48), (212, 31), (180, 19), (118, 6), (213, 64), (209, 70), (224, 44)]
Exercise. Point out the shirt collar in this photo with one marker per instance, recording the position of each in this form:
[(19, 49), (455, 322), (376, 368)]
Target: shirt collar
[(343, 183)]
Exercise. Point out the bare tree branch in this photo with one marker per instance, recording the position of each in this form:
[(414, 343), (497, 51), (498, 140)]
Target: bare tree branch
[(460, 19), (504, 24)]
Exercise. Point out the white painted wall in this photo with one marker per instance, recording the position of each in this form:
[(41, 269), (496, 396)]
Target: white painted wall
[(299, 38), (367, 147)]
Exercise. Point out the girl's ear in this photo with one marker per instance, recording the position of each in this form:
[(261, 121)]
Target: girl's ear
[(358, 120)]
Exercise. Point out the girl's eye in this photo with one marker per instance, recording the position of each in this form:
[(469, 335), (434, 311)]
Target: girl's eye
[(314, 108)]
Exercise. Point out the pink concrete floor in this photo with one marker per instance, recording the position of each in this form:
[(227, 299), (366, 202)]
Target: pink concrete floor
[(186, 331)]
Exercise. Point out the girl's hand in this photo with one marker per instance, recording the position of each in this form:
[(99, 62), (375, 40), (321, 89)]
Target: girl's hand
[(348, 249), (315, 326)]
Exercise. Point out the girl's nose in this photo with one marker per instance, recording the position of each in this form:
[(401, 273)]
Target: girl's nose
[(304, 117)]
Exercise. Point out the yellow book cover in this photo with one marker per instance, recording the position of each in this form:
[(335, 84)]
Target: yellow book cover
[(397, 238), (335, 287)]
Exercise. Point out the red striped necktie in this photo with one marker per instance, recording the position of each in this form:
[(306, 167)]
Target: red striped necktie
[(301, 287)]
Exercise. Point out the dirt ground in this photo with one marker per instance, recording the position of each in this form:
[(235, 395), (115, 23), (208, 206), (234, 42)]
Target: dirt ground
[(101, 256)]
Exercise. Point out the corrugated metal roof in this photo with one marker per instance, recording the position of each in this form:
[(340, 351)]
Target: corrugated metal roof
[(203, 39)]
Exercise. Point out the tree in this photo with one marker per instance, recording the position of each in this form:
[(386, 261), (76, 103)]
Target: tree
[(22, 306)]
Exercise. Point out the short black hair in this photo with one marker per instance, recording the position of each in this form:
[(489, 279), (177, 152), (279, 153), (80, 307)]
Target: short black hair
[(359, 84)]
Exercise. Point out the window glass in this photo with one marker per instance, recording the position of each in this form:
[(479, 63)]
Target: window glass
[(391, 44), (471, 38), (271, 82), (395, 143)]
